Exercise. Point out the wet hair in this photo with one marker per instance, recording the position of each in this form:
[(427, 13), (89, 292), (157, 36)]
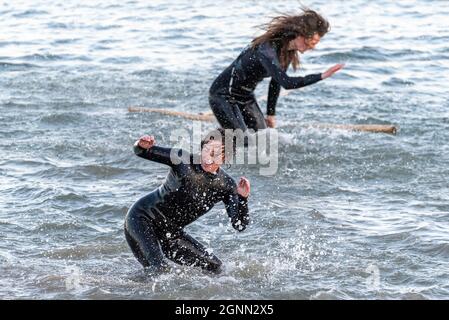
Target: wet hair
[(284, 28), (229, 142)]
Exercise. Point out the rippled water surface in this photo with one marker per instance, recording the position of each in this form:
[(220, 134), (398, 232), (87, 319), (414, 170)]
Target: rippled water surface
[(347, 216)]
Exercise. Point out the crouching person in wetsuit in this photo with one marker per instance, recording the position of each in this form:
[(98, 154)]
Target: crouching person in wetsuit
[(231, 96), (154, 224)]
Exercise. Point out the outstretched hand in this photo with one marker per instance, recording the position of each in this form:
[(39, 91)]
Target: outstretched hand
[(332, 70), (146, 142), (243, 187)]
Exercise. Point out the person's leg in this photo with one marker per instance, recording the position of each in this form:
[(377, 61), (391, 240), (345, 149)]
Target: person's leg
[(253, 116), (228, 114), (136, 250), (185, 250), (144, 243)]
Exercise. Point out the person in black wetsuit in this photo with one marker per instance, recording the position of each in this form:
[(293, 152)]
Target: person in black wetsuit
[(231, 95), (154, 224)]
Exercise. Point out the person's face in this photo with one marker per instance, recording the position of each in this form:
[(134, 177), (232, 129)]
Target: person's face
[(212, 156), (304, 44)]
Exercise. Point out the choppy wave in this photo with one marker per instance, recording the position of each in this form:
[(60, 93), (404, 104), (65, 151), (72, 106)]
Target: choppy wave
[(11, 66)]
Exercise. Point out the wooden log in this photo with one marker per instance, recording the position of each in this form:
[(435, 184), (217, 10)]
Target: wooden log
[(376, 128), (192, 116), (209, 117)]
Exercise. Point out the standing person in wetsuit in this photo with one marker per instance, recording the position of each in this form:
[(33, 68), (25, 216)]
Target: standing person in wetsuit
[(154, 224), (231, 96)]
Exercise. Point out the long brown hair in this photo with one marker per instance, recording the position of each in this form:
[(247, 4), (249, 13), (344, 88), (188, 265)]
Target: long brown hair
[(284, 28)]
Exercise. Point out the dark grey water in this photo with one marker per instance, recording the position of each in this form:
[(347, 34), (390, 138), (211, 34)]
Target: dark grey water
[(348, 215)]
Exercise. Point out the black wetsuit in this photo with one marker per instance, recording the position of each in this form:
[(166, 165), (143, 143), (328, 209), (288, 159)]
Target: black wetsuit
[(231, 96), (154, 224)]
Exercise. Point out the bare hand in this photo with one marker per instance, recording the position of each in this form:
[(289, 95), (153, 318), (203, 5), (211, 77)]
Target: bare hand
[(243, 188), (271, 121), (332, 70), (146, 142)]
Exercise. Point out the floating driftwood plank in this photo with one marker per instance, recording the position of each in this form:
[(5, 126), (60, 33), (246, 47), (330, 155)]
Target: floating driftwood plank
[(209, 117)]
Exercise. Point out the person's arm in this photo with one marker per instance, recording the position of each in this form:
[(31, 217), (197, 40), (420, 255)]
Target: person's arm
[(273, 94), (270, 61), (237, 209), (236, 203), (243, 210), (145, 148)]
